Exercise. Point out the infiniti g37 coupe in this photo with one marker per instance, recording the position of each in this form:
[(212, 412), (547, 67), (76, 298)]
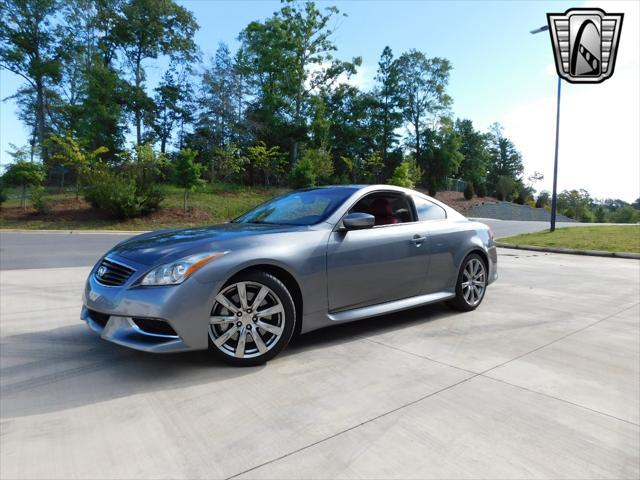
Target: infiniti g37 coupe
[(302, 261)]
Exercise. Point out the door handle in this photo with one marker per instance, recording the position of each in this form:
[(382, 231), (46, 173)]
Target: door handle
[(417, 240)]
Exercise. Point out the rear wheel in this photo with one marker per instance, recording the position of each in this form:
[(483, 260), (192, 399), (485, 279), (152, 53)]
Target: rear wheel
[(471, 284), (252, 319)]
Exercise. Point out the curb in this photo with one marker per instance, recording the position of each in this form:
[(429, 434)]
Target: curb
[(570, 251), (81, 232)]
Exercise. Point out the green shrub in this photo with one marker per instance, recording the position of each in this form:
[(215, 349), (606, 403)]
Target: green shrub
[(505, 187), (543, 200), (120, 197), (402, 176), (23, 174), (39, 200), (303, 174), (481, 190), (3, 195), (468, 191)]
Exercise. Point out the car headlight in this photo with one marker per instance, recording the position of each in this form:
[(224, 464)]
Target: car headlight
[(177, 272)]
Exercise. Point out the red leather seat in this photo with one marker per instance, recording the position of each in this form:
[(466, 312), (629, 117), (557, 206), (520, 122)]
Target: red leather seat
[(381, 209)]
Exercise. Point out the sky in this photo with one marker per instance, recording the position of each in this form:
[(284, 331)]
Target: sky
[(501, 73)]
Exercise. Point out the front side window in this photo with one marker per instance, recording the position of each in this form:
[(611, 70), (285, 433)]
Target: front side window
[(428, 210), (387, 208), (305, 207)]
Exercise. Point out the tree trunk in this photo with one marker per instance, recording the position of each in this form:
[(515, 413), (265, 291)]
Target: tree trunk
[(40, 118), (186, 193), (138, 115)]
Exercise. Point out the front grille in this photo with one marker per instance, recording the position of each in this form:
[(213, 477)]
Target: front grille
[(112, 273), (154, 326), (99, 318)]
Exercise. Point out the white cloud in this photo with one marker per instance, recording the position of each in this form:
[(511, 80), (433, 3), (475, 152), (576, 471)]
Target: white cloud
[(599, 125)]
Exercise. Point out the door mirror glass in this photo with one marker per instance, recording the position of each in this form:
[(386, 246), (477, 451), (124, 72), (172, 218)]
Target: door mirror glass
[(358, 221)]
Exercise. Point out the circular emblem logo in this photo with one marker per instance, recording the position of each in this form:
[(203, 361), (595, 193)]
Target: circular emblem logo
[(102, 270)]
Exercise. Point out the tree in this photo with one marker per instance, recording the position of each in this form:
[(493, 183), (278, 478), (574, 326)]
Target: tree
[(321, 163), (172, 105), (68, 152), (30, 46), (373, 167), (473, 147), (505, 187), (468, 191), (423, 82), (389, 101), (543, 199), (269, 161), (23, 174), (504, 159), (402, 176), (187, 173), (147, 29), (291, 55), (576, 204), (303, 174), (442, 155)]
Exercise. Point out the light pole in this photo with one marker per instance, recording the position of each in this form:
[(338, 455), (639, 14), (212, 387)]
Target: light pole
[(554, 194)]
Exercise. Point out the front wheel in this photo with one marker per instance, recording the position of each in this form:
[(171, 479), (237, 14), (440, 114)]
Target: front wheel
[(252, 319), (471, 284)]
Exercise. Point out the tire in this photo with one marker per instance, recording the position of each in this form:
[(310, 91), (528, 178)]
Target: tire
[(471, 284), (234, 315)]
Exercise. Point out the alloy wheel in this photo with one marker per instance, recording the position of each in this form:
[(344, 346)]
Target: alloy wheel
[(474, 281), (247, 320)]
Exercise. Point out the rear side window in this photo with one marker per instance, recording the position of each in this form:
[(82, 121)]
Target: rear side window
[(427, 210)]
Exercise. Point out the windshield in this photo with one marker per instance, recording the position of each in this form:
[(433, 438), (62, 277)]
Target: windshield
[(304, 207)]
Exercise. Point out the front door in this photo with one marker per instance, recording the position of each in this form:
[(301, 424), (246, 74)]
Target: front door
[(380, 264)]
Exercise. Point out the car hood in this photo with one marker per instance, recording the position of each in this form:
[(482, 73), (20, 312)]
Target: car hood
[(168, 245)]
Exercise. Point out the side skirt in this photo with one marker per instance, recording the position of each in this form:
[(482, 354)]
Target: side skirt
[(389, 307)]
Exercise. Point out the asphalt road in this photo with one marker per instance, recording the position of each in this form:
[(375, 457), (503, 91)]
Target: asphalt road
[(542, 381), (49, 250)]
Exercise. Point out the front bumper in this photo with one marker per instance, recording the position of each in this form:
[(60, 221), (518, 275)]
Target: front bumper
[(125, 331), (118, 314)]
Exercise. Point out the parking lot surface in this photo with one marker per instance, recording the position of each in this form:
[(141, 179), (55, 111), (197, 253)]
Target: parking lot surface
[(542, 381)]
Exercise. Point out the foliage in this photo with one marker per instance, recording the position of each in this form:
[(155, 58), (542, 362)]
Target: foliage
[(373, 167), (504, 159), (32, 46), (187, 173), (442, 156), (543, 200), (468, 191), (228, 162), (423, 83), (132, 190), (481, 190), (475, 153), (66, 151), (321, 163), (625, 214), (3, 193), (268, 162), (39, 200), (505, 186), (23, 174), (576, 204), (303, 174), (402, 176)]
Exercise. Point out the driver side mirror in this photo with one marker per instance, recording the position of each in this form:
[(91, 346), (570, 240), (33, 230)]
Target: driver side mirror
[(358, 221)]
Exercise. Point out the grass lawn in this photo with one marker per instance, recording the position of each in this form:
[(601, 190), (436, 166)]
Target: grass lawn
[(211, 204), (605, 238)]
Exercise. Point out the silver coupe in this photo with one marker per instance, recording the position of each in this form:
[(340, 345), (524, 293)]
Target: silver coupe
[(299, 262)]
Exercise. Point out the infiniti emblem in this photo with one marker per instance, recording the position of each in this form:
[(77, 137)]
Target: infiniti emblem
[(102, 270)]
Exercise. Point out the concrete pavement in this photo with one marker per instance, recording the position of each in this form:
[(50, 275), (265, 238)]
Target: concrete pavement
[(542, 381)]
